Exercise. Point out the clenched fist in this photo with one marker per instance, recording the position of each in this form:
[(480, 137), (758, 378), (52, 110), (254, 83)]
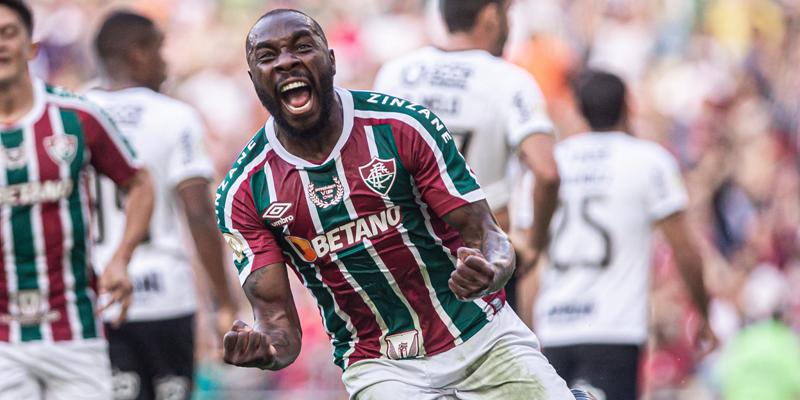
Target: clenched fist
[(245, 347), (473, 276)]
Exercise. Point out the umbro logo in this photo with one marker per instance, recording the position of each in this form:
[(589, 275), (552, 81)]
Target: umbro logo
[(275, 213)]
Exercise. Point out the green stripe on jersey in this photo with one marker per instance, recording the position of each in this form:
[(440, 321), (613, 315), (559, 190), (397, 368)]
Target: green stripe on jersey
[(22, 230), (463, 181), (80, 253), (342, 341), (250, 151), (357, 260), (260, 189), (466, 316)]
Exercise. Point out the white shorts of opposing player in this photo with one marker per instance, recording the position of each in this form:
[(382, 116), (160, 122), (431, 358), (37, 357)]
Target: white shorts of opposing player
[(501, 362), (55, 371)]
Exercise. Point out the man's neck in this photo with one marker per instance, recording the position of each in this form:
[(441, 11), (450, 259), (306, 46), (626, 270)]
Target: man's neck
[(16, 99), (113, 84), (318, 148), (463, 41)]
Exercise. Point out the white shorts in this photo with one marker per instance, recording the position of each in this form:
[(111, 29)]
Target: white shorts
[(502, 361), (55, 371)]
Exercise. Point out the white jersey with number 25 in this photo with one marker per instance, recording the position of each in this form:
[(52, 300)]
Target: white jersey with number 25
[(614, 188)]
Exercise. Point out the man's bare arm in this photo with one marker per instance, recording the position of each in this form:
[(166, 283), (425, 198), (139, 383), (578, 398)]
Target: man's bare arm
[(197, 205), (274, 340), (138, 210), (690, 265), (486, 261), (536, 152), (687, 258)]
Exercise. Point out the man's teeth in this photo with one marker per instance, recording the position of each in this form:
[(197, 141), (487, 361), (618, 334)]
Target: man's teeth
[(293, 85)]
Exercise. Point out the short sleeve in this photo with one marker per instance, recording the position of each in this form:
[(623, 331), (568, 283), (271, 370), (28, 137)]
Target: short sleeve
[(188, 158), (524, 108), (253, 245), (442, 176), (665, 192), (111, 155)]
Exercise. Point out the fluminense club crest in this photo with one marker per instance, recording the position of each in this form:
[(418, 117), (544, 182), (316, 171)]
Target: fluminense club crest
[(61, 148), (379, 174)]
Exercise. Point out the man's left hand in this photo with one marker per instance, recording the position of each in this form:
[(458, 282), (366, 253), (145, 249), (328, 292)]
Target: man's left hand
[(117, 284), (474, 277)]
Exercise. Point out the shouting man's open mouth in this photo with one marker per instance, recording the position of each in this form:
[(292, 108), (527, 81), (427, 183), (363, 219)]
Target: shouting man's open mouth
[(296, 96)]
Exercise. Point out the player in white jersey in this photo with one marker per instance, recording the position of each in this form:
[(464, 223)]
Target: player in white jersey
[(591, 312), (153, 353), (493, 108)]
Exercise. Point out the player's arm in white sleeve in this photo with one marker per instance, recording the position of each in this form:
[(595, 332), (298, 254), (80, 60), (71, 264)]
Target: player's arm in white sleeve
[(530, 130), (666, 202), (190, 173)]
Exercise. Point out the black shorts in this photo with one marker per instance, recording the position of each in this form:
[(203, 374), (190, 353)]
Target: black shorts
[(610, 368), (152, 359)]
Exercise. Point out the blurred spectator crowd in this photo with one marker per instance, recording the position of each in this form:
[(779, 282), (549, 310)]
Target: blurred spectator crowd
[(714, 81)]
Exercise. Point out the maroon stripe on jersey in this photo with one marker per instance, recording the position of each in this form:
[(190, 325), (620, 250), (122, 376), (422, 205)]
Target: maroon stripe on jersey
[(245, 219), (53, 233), (291, 190), (390, 247), (106, 155)]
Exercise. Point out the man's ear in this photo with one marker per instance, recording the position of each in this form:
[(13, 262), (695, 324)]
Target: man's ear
[(332, 56), (34, 50), (488, 19)]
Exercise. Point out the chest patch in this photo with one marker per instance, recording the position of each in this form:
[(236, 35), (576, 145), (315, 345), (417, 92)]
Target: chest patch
[(378, 175)]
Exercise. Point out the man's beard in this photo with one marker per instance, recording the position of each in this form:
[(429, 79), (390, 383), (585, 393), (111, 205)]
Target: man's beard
[(325, 99)]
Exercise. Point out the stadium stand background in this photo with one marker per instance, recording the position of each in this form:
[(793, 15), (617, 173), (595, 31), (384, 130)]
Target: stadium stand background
[(714, 81)]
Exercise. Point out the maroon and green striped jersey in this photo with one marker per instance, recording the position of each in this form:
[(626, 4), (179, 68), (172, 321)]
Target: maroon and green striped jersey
[(362, 230), (48, 286)]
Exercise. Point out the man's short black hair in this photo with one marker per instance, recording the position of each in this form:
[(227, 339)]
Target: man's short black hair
[(315, 26), (601, 96), (119, 31), (24, 12), (460, 15)]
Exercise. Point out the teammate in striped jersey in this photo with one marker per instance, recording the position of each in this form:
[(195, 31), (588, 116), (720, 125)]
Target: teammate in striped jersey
[(51, 343), (366, 198)]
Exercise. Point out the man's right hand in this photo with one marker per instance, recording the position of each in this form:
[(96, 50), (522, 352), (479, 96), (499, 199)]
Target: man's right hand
[(245, 347)]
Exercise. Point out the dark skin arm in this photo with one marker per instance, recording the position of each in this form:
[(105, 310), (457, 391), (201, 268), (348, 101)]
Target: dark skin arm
[(536, 152), (274, 341), (199, 210), (138, 210), (690, 265), (486, 261)]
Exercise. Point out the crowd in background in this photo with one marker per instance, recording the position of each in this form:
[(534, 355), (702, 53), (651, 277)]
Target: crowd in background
[(714, 81)]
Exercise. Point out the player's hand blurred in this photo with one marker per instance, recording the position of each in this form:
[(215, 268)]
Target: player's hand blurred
[(226, 315), (115, 284), (244, 347), (473, 276), (527, 258), (706, 341)]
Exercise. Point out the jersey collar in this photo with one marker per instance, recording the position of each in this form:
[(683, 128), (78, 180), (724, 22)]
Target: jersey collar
[(347, 126)]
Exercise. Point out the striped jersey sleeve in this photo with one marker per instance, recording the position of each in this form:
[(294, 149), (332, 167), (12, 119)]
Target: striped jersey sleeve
[(442, 176), (111, 155), (253, 245)]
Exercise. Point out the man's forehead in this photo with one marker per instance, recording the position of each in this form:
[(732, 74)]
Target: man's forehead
[(281, 25), (7, 15)]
